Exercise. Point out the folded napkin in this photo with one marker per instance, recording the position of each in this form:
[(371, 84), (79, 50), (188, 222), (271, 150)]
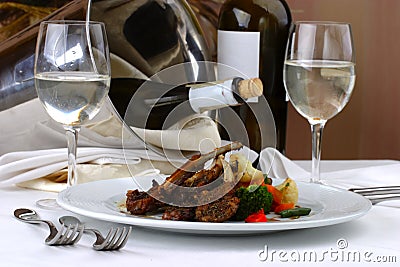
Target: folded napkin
[(279, 166), (34, 147), (23, 166), (194, 133), (47, 169), (38, 132)]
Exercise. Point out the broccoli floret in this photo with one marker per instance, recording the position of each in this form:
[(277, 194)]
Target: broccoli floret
[(267, 180), (252, 199)]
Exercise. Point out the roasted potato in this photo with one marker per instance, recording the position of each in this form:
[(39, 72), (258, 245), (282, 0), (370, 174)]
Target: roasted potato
[(290, 192), (242, 166)]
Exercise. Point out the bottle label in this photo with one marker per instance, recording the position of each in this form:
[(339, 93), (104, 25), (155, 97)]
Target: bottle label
[(211, 97), (240, 51)]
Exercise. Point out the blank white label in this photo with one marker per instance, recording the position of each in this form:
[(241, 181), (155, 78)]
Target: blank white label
[(240, 51)]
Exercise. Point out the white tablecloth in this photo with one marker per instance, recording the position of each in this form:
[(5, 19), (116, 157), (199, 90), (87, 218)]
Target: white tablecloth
[(376, 237)]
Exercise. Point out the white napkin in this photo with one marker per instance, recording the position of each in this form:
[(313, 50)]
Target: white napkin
[(17, 167), (194, 133), (34, 147), (37, 131), (278, 166)]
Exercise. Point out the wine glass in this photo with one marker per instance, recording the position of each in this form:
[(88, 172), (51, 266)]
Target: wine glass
[(319, 75), (72, 77)]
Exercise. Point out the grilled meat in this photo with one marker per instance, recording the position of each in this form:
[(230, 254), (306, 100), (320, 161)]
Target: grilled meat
[(205, 176), (179, 214), (139, 203), (196, 163), (218, 211)]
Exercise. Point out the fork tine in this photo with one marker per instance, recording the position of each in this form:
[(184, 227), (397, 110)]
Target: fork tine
[(53, 241), (65, 235), (106, 240), (375, 189), (79, 235), (124, 237), (75, 235), (381, 199), (379, 193), (120, 239), (56, 239), (115, 236), (70, 235)]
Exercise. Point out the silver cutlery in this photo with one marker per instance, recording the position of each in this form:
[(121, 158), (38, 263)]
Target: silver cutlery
[(67, 235), (379, 193), (115, 239)]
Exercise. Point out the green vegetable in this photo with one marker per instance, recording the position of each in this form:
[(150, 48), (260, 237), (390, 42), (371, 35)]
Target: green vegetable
[(267, 180), (294, 212), (252, 199)]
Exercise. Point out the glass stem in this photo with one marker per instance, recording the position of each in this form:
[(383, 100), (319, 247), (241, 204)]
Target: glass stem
[(72, 141), (316, 132)]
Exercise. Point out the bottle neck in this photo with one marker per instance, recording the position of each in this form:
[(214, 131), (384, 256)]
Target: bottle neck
[(214, 96)]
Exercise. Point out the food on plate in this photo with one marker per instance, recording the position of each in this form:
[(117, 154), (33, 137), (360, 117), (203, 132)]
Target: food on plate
[(290, 193), (243, 192), (246, 169), (218, 211), (294, 212), (190, 174), (257, 217), (252, 199)]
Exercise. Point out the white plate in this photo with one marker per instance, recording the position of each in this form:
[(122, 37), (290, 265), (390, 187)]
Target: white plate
[(100, 199)]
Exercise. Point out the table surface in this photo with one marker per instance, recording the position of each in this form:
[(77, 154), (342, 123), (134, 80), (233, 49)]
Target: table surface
[(374, 237)]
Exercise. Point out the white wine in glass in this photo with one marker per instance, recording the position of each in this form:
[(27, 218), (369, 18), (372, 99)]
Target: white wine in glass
[(319, 75), (72, 77)]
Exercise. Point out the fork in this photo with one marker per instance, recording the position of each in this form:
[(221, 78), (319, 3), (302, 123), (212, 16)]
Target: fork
[(67, 235), (115, 239), (379, 193)]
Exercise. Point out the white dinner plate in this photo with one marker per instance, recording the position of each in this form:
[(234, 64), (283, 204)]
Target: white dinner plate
[(101, 199)]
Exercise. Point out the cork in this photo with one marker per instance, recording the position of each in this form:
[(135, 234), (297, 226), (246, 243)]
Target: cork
[(250, 88)]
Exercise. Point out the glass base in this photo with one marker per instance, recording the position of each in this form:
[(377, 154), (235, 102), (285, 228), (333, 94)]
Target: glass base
[(317, 182), (48, 203)]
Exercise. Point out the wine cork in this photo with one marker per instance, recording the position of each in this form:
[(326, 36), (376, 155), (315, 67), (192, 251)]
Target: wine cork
[(250, 88)]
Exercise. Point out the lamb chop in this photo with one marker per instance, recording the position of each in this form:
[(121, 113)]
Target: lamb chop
[(205, 176), (200, 178), (179, 214), (196, 163), (139, 203), (221, 202), (218, 211)]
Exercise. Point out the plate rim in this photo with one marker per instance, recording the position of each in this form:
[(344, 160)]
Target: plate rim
[(209, 227)]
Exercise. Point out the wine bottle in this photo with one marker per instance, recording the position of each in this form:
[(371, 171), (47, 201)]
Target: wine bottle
[(252, 36), (153, 105)]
